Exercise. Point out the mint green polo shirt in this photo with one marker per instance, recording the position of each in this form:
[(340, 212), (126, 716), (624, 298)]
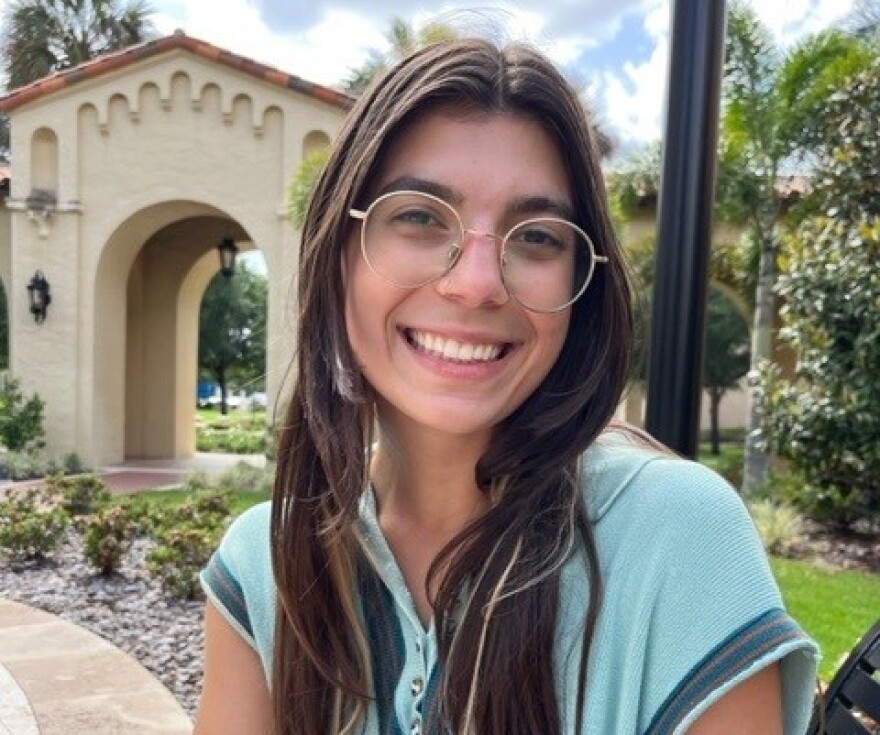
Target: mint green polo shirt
[(690, 606)]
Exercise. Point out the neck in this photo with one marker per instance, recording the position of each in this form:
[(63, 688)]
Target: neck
[(427, 479)]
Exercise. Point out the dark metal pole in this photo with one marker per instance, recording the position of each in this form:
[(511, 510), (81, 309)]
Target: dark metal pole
[(687, 186)]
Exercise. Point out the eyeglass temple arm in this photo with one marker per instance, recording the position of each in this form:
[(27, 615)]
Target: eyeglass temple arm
[(357, 214)]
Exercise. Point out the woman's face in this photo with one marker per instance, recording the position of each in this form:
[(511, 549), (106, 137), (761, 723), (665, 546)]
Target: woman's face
[(458, 355)]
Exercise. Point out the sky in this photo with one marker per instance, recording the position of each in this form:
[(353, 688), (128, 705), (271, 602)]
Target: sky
[(615, 51)]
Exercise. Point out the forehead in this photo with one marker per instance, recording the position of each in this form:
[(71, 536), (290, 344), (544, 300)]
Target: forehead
[(479, 155)]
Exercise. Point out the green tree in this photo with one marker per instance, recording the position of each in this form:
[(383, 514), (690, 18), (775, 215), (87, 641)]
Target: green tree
[(302, 185), (725, 358), (825, 420), (403, 38), (232, 330), (41, 37), (773, 105)]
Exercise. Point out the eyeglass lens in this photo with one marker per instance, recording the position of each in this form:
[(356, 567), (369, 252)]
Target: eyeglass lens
[(411, 239)]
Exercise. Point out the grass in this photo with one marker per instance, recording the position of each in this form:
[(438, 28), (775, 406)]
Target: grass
[(165, 499), (240, 431), (241, 417), (835, 607), (728, 463)]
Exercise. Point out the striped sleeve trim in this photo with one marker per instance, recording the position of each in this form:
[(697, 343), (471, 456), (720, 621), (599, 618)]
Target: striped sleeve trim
[(227, 592), (735, 655)]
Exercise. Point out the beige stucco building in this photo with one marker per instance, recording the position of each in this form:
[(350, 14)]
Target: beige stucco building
[(129, 170)]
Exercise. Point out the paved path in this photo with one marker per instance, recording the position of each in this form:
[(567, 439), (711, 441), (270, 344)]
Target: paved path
[(58, 679)]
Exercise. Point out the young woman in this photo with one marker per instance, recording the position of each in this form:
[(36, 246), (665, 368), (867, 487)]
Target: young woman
[(457, 541)]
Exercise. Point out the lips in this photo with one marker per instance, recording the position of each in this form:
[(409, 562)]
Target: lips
[(454, 350)]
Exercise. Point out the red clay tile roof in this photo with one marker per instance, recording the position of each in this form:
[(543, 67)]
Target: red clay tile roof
[(178, 40)]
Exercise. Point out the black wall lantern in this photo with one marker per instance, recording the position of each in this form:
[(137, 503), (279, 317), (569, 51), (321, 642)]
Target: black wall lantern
[(228, 250), (38, 291)]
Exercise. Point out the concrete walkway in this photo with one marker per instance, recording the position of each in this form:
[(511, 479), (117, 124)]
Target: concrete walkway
[(58, 679)]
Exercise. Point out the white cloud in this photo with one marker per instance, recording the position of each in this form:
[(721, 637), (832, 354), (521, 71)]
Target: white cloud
[(632, 101), (793, 19), (323, 53)]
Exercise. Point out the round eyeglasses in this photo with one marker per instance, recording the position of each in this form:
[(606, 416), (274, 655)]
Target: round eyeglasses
[(410, 239)]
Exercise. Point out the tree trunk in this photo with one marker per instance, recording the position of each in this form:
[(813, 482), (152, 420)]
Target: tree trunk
[(757, 462), (715, 396), (221, 380)]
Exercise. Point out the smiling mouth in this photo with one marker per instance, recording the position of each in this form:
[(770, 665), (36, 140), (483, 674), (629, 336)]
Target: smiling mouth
[(453, 350)]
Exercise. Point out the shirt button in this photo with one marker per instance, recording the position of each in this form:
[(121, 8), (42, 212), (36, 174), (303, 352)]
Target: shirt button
[(418, 684), (416, 728), (418, 646)]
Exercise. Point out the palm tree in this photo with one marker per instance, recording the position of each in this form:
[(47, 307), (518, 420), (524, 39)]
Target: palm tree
[(864, 20), (773, 105), (44, 36), (41, 37), (403, 39)]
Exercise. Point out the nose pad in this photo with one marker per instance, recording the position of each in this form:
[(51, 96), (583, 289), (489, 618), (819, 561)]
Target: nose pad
[(452, 257), (475, 276)]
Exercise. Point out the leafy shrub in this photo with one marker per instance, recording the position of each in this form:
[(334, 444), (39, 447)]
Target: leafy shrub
[(107, 538), (182, 552), (780, 526), (232, 440), (21, 419), (245, 477), (81, 494), (26, 465), (31, 524), (210, 508), (824, 418), (146, 517), (72, 464), (197, 481), (186, 540)]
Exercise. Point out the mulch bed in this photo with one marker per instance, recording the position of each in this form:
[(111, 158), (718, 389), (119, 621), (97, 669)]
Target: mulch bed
[(855, 548)]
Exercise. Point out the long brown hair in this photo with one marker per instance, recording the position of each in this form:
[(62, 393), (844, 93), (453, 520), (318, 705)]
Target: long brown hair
[(497, 678)]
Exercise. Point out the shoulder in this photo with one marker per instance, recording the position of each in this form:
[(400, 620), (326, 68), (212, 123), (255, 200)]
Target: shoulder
[(621, 475), (250, 526), (689, 597)]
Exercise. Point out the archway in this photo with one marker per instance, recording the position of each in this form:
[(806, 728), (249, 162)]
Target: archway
[(148, 289)]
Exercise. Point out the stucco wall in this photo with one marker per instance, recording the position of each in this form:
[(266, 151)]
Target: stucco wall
[(143, 153)]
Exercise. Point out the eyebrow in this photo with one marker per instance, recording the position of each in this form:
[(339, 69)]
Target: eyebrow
[(541, 205), (522, 206), (426, 186)]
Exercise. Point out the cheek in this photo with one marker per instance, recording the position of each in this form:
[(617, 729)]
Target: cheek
[(363, 321)]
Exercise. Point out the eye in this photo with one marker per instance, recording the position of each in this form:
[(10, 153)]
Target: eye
[(418, 217), (541, 240)]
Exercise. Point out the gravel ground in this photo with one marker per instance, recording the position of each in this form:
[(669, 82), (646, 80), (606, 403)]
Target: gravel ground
[(129, 610)]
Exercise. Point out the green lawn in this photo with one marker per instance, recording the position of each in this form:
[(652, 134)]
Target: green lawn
[(240, 431), (835, 607), (241, 500)]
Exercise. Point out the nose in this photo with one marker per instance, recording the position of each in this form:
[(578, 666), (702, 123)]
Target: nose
[(475, 280)]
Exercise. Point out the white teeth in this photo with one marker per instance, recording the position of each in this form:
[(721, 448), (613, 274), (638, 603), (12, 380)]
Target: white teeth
[(450, 349)]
